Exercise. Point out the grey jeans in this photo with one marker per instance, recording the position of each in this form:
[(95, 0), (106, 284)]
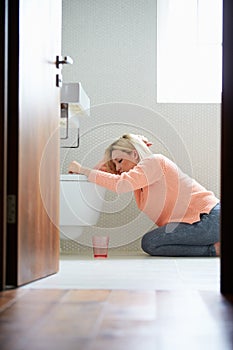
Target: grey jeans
[(182, 239)]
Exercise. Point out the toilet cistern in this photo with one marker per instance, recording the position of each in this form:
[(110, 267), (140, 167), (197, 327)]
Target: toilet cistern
[(74, 101)]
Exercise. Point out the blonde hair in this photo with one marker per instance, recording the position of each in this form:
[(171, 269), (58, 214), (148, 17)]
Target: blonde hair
[(127, 143)]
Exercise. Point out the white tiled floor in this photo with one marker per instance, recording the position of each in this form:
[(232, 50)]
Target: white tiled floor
[(134, 272)]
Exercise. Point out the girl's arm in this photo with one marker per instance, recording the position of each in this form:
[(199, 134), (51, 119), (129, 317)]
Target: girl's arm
[(140, 176), (77, 168)]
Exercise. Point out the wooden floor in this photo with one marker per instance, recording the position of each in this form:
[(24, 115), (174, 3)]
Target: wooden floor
[(115, 320)]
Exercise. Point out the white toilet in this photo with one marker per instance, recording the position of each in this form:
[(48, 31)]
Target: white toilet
[(80, 204)]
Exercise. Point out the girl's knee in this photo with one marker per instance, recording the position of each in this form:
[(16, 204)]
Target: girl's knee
[(147, 245)]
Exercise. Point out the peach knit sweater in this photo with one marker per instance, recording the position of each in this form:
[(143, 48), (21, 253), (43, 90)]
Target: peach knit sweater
[(162, 191)]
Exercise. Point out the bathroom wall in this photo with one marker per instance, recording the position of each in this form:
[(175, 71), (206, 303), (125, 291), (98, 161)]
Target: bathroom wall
[(113, 45)]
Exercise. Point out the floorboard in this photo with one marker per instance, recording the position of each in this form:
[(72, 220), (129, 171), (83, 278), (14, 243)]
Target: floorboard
[(115, 319)]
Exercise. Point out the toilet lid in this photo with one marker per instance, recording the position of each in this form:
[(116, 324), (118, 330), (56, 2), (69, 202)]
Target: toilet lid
[(73, 177)]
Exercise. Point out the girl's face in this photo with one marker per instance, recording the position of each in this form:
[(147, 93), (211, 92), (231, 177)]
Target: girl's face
[(124, 161)]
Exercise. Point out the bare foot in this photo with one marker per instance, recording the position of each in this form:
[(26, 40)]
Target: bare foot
[(217, 248)]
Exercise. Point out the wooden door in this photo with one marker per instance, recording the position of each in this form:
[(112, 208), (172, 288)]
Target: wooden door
[(3, 138), (33, 140)]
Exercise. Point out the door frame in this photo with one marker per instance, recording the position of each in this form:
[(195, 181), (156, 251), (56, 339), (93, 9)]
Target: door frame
[(226, 282), (3, 137), (226, 271), (12, 77)]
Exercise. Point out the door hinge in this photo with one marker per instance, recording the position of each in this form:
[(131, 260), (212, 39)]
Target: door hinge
[(11, 208)]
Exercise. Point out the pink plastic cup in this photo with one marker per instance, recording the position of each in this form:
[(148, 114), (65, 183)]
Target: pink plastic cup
[(100, 246)]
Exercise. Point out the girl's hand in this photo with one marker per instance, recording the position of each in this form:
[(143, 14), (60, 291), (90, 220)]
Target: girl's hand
[(145, 140), (74, 167), (101, 166)]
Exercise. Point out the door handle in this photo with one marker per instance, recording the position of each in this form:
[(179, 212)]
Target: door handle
[(63, 60)]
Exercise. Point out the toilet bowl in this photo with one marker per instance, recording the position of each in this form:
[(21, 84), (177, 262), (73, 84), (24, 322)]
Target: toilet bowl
[(80, 204)]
